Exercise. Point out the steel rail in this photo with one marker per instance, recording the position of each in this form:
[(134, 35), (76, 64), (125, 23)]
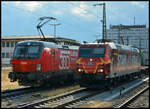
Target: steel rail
[(12, 90), (131, 99), (7, 93), (38, 102), (80, 99), (16, 92)]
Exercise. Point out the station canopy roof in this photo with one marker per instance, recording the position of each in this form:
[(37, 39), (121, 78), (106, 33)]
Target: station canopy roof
[(59, 39)]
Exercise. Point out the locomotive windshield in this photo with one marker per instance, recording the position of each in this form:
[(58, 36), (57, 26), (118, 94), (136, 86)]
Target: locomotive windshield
[(92, 51), (27, 52)]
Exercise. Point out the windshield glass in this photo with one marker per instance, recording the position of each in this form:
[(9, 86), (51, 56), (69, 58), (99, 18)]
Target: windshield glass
[(92, 51), (27, 52)]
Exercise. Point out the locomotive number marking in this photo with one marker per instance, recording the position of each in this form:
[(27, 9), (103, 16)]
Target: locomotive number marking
[(90, 63), (64, 60)]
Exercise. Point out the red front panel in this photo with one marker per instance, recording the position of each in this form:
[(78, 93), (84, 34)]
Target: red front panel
[(94, 64), (24, 65)]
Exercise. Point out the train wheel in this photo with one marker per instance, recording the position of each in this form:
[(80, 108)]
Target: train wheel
[(113, 82), (108, 84), (70, 79), (46, 84), (130, 77)]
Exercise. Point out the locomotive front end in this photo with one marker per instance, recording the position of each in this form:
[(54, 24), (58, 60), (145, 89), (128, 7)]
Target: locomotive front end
[(26, 62), (93, 62)]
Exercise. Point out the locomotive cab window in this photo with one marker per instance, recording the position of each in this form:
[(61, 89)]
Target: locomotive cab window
[(92, 51), (27, 52)]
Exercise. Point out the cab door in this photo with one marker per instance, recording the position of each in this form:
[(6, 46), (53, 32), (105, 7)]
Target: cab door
[(53, 59), (114, 58)]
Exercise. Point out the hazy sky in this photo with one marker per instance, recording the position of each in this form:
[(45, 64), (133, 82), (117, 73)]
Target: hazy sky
[(79, 20)]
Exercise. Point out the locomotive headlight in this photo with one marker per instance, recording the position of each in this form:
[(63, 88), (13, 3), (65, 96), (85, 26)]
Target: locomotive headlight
[(100, 70), (80, 70), (38, 67)]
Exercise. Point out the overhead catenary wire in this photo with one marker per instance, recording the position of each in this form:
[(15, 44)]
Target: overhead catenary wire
[(70, 24), (87, 11), (39, 14), (19, 9), (90, 12)]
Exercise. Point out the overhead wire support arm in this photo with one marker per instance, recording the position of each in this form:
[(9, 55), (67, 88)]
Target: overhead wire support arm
[(104, 36), (55, 28)]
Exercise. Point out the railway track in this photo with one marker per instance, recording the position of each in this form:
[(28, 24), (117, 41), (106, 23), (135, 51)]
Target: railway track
[(78, 101), (25, 95), (70, 99), (10, 94), (132, 98), (67, 100), (51, 100)]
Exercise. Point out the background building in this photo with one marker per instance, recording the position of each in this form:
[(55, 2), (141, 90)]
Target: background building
[(8, 44), (136, 35)]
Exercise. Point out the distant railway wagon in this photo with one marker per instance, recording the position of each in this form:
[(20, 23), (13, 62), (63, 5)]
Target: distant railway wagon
[(38, 62), (107, 61)]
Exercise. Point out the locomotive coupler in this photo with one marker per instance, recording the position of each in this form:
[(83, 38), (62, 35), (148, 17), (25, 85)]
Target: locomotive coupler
[(12, 76)]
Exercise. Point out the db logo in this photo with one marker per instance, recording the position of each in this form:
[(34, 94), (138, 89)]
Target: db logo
[(64, 62)]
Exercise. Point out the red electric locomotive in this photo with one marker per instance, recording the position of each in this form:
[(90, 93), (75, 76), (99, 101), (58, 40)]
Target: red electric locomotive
[(37, 62), (106, 61)]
